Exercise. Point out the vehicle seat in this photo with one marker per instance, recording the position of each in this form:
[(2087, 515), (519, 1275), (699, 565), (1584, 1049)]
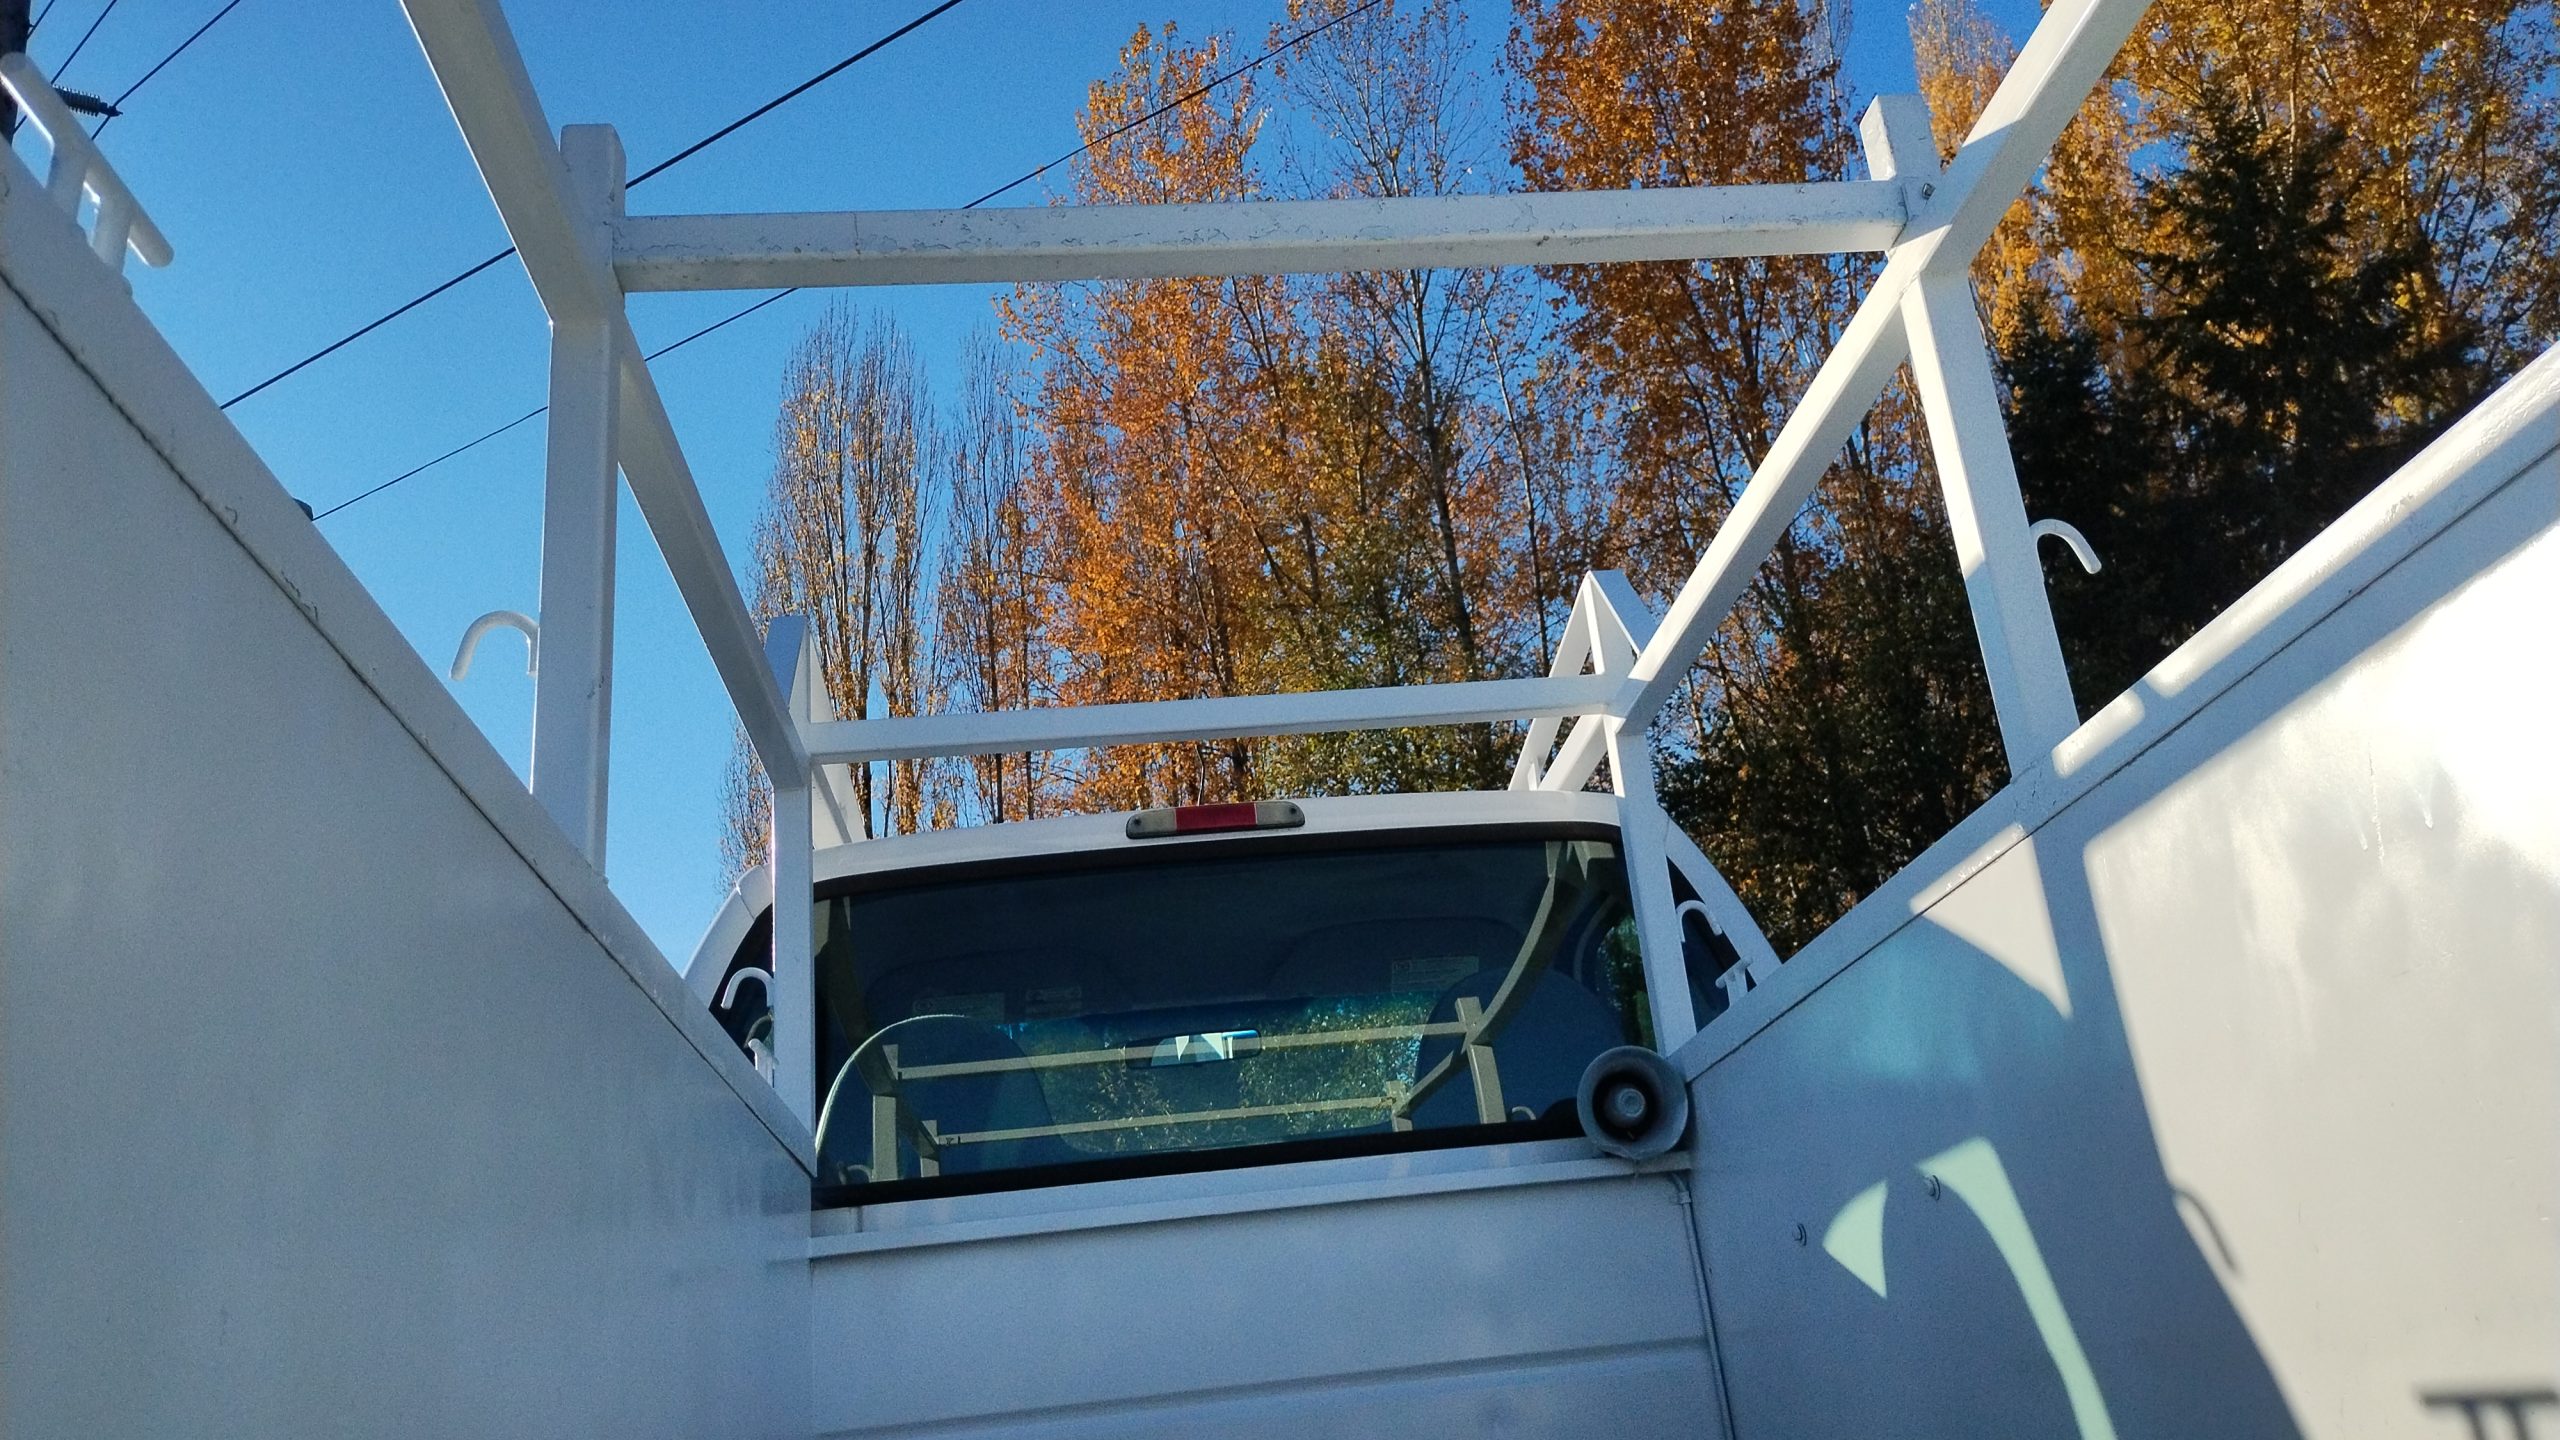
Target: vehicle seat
[(1540, 1055), (957, 1104), (1379, 957)]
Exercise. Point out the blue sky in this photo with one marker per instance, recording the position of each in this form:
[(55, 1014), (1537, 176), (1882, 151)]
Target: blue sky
[(303, 165)]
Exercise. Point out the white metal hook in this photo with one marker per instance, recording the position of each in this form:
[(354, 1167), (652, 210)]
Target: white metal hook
[(2068, 534), (729, 992), (480, 629)]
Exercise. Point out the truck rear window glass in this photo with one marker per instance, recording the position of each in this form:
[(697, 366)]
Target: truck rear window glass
[(1003, 1025)]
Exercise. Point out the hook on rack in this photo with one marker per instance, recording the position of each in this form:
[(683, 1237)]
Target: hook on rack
[(480, 628), (2068, 534)]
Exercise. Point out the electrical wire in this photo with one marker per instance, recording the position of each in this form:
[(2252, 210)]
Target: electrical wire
[(1024, 178), (794, 93), (117, 104), (82, 44), (449, 454), (352, 336), (478, 441), (1177, 102), (687, 153), (39, 20)]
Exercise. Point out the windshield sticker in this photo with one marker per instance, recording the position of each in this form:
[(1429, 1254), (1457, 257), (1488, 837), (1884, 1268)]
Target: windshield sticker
[(1203, 1049)]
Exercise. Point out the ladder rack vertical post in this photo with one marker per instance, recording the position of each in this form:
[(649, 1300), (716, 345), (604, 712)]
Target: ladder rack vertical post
[(793, 862), (573, 692), (1646, 851), (1969, 439), (795, 993)]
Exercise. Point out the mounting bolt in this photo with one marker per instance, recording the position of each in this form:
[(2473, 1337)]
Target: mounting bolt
[(1800, 1236), (1932, 1182)]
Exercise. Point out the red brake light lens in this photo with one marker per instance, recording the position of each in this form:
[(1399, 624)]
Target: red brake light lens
[(1209, 819)]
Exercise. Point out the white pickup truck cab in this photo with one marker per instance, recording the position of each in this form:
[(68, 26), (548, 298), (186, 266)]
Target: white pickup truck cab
[(1100, 997)]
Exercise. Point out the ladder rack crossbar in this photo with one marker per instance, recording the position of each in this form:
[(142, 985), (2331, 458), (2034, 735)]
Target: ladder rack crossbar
[(584, 255), (1150, 722), (1262, 237)]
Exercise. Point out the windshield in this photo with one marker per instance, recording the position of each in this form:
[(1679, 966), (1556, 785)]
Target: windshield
[(1201, 999)]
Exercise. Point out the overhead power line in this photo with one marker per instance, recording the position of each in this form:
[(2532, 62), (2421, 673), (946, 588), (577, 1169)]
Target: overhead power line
[(794, 93), (117, 104), (483, 439), (471, 444), (82, 43), (687, 153), (1024, 178), (361, 331), (1177, 102)]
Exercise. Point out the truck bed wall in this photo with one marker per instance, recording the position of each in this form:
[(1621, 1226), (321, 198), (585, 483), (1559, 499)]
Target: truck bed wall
[(1553, 1294), (337, 1095), (2208, 1077)]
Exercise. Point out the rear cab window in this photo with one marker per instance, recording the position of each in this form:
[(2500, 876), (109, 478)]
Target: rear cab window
[(1043, 1021)]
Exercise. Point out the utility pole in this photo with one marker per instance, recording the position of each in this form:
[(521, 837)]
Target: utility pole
[(13, 40), (14, 29)]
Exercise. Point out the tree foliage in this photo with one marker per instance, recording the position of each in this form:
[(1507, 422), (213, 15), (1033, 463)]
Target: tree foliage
[(842, 542), (2280, 250), (1840, 719), (2284, 243)]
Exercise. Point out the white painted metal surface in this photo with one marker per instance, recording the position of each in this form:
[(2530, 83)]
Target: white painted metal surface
[(2229, 1042), (790, 851), (580, 252), (573, 697), (1969, 439), (1152, 721), (1756, 962), (1539, 1292), (2071, 538), (469, 647), (1608, 625), (580, 267), (2172, 1093), (1270, 237), (569, 259), (2069, 50), (1644, 837), (337, 1095), (79, 172)]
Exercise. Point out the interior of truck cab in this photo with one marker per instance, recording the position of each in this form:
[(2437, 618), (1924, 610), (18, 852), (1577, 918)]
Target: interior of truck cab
[(1040, 1020)]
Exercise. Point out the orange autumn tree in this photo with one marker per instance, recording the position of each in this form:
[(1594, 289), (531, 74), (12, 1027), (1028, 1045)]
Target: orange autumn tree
[(1407, 532), (1269, 484), (1839, 721), (2067, 233), (992, 649), (2447, 127), (842, 541), (1142, 481)]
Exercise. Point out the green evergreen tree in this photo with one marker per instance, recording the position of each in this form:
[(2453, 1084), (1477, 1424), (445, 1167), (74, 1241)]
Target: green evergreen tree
[(2274, 375)]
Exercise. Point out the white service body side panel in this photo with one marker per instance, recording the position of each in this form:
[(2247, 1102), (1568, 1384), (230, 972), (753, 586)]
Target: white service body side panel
[(321, 1114), (2221, 1103), (1565, 1309)]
